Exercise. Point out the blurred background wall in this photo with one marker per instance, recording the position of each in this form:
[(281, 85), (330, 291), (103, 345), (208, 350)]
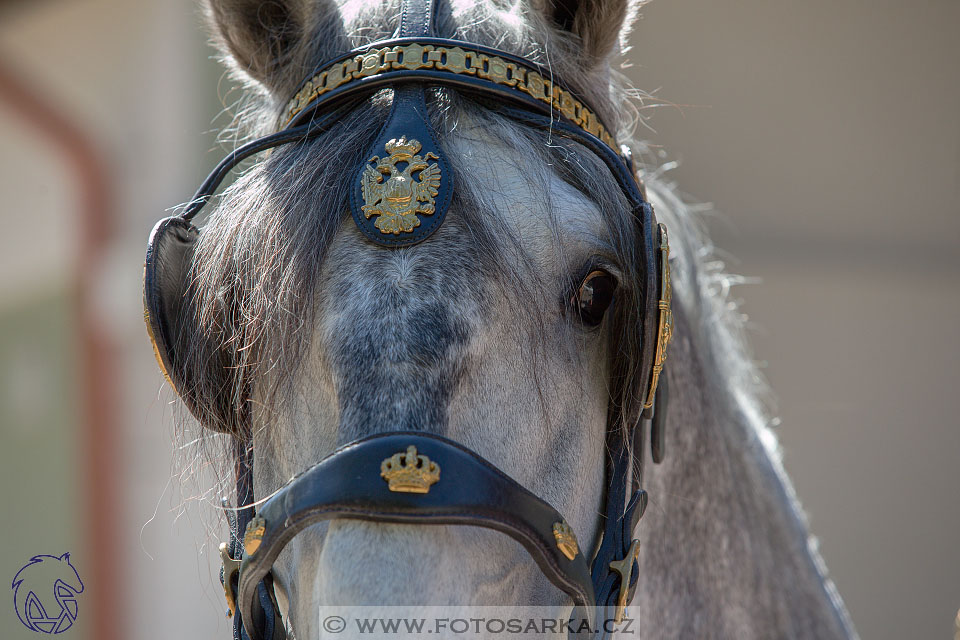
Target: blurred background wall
[(827, 134)]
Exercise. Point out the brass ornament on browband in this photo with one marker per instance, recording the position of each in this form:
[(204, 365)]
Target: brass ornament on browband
[(401, 198), (454, 60), (408, 202), (665, 320)]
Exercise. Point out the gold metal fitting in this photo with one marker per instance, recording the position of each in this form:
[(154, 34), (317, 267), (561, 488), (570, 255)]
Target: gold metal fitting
[(665, 328), (452, 61), (395, 195), (230, 568), (253, 536), (409, 473), (625, 569), (566, 539)]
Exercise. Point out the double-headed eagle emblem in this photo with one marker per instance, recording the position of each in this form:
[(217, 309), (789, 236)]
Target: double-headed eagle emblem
[(395, 195)]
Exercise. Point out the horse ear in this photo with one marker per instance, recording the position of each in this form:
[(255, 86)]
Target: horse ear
[(260, 39), (601, 26), (168, 314)]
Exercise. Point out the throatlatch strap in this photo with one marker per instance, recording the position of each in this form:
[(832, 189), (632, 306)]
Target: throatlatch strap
[(242, 517)]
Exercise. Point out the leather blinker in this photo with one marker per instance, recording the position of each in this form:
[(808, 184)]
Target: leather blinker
[(169, 250), (166, 273)]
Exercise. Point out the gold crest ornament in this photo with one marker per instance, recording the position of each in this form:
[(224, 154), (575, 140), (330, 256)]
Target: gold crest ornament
[(566, 540), (396, 195), (409, 473)]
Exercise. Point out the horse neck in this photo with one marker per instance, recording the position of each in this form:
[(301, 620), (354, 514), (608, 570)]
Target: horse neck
[(724, 548)]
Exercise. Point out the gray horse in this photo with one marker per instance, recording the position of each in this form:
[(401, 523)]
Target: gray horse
[(303, 334)]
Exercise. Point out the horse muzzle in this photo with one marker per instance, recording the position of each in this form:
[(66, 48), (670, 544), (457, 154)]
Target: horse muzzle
[(406, 478)]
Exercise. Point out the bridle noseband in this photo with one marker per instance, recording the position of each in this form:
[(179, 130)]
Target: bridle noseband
[(400, 198)]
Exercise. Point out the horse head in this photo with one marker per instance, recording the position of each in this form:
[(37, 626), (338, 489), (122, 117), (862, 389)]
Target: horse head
[(500, 296)]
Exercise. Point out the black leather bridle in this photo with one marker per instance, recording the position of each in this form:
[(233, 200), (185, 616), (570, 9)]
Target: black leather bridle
[(399, 477)]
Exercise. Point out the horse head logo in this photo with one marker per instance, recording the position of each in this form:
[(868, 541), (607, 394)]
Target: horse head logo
[(45, 593)]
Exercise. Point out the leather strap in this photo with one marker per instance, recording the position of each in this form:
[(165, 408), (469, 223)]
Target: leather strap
[(619, 523), (659, 423), (441, 61), (417, 18), (470, 491), (406, 139), (311, 128), (264, 616), (407, 123)]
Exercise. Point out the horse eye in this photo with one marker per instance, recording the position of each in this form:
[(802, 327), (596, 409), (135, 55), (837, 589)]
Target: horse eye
[(594, 297)]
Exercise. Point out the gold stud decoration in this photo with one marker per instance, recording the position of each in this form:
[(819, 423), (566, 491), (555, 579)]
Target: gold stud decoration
[(566, 540), (253, 536)]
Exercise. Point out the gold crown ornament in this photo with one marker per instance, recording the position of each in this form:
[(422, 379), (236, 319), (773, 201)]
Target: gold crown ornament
[(402, 149), (407, 472)]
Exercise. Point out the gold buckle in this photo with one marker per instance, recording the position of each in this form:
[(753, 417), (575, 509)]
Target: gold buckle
[(625, 569), (665, 329), (230, 567)]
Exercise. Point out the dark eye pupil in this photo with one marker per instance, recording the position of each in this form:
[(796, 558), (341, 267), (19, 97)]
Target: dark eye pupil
[(595, 296)]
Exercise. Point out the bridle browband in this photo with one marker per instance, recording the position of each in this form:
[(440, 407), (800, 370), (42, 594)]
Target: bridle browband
[(401, 199)]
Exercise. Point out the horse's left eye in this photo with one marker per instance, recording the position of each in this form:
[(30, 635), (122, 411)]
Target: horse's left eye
[(594, 297)]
